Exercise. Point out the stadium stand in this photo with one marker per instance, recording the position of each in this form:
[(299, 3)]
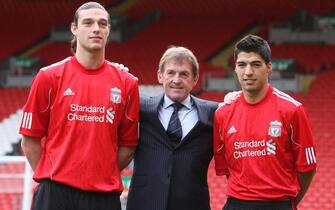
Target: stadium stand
[(27, 22), (12, 99), (319, 105), (11, 182), (310, 58)]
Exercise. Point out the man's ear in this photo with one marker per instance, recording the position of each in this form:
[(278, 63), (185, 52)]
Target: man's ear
[(74, 29), (235, 68), (109, 30), (195, 81), (159, 77), (269, 65)]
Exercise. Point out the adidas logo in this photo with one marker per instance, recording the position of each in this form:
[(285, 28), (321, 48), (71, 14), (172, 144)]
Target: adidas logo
[(232, 130), (68, 92)]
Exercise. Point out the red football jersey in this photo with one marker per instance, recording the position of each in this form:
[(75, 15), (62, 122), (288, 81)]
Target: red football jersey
[(262, 146), (82, 116)]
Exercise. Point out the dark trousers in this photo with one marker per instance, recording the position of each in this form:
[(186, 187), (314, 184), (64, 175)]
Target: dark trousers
[(237, 204), (51, 195)]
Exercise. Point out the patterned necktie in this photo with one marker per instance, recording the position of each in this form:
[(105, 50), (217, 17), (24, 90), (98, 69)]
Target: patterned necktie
[(174, 129)]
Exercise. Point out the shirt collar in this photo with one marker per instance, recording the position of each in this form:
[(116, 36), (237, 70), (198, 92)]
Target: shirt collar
[(187, 102)]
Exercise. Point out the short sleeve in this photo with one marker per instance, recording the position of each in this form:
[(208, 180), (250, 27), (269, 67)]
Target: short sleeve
[(36, 111), (303, 141), (128, 128), (221, 167)]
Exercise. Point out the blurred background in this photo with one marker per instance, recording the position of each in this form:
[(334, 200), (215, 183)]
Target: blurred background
[(301, 33)]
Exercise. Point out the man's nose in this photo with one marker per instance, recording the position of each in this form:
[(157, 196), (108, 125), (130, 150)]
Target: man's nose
[(248, 70), (176, 78), (96, 27)]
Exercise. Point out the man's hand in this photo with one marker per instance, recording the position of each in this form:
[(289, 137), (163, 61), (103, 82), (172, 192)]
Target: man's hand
[(305, 180), (124, 156), (230, 97), (121, 66)]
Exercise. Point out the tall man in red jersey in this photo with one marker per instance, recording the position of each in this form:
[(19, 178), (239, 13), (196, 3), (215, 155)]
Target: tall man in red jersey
[(80, 122), (263, 140)]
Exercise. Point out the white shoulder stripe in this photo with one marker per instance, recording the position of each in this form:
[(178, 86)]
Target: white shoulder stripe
[(55, 64), (24, 119), (282, 93), (310, 155), (313, 154), (290, 99), (285, 95), (307, 156), (30, 116), (27, 120)]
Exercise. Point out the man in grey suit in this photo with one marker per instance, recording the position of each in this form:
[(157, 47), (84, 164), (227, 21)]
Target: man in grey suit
[(175, 146)]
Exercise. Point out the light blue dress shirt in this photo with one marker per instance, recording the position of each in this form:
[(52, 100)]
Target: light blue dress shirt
[(188, 114)]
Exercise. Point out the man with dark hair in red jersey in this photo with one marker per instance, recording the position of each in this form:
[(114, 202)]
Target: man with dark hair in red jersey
[(80, 122), (263, 140)]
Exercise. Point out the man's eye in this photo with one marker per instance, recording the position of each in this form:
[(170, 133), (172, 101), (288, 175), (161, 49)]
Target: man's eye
[(184, 74), (103, 24)]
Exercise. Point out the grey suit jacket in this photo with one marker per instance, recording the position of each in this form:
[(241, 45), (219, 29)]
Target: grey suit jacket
[(167, 177)]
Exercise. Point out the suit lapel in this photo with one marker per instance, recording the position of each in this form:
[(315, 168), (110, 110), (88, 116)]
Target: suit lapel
[(203, 110)]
